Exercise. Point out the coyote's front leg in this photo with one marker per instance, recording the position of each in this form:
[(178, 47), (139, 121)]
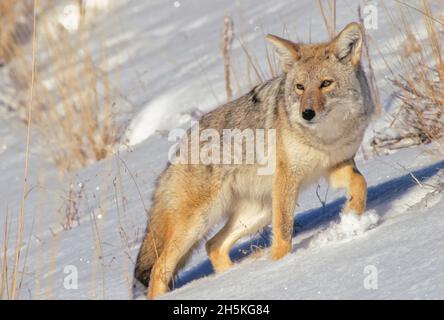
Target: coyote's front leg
[(285, 189), (346, 175)]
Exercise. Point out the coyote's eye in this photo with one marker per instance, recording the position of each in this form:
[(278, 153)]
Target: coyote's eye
[(326, 83), (300, 87)]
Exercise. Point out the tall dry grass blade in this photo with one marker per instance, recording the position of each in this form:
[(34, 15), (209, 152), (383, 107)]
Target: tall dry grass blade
[(4, 283), (226, 50), (20, 223), (330, 22), (435, 43), (420, 11), (251, 62)]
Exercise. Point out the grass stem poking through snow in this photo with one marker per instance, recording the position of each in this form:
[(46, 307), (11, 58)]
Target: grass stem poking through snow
[(21, 220), (226, 51)]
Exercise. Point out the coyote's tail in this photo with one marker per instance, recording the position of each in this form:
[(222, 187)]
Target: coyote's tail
[(148, 254)]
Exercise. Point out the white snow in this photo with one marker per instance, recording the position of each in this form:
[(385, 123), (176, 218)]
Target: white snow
[(66, 14), (349, 226), (161, 114), (167, 61), (70, 17)]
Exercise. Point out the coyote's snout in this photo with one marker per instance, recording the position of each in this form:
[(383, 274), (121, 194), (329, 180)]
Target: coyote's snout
[(319, 108)]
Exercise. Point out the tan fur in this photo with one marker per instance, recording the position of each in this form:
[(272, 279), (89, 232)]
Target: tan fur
[(347, 176), (191, 199)]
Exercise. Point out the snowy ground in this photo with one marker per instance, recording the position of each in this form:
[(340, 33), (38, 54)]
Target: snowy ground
[(166, 57), (400, 236)]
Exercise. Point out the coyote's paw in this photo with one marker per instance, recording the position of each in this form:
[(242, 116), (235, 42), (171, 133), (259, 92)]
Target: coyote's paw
[(278, 251)]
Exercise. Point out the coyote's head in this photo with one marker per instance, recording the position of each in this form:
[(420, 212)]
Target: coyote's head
[(324, 82)]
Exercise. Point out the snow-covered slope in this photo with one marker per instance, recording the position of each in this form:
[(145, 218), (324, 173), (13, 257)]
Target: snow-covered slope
[(400, 235), (166, 57), (398, 240)]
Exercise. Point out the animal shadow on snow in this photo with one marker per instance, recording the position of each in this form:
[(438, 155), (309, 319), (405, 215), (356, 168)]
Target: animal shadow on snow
[(379, 198)]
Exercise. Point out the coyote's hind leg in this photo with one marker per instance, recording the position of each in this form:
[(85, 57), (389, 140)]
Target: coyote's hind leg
[(246, 219)]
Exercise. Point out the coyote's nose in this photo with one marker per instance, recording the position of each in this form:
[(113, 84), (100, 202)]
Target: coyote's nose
[(308, 114)]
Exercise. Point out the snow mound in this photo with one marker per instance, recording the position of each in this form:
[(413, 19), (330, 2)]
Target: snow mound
[(161, 115), (349, 226)]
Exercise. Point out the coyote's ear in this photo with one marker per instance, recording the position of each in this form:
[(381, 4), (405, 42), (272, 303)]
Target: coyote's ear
[(288, 51), (347, 45)]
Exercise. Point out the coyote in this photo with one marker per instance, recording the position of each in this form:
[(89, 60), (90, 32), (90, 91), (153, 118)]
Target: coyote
[(319, 108)]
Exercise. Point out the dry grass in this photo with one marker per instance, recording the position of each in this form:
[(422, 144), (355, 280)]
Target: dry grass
[(15, 17), (15, 277), (66, 104), (75, 119), (419, 88), (226, 51), (71, 208), (74, 97), (4, 281), (249, 72), (328, 14)]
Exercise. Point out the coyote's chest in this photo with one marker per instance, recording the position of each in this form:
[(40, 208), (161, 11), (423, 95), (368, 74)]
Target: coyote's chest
[(313, 160)]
